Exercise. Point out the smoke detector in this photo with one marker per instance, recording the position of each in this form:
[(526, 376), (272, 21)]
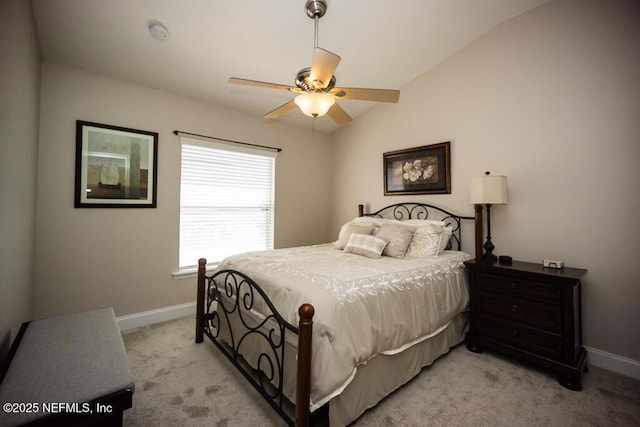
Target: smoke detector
[(158, 30)]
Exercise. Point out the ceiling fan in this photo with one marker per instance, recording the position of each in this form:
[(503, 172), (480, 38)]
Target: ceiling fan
[(315, 85)]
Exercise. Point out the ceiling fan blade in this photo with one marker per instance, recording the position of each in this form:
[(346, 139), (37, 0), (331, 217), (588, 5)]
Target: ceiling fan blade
[(323, 65), (338, 114), (237, 81), (274, 114), (362, 94)]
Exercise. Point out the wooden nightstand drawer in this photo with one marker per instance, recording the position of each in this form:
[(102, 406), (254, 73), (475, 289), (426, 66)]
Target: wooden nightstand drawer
[(543, 316), (520, 287), (529, 312), (521, 336)]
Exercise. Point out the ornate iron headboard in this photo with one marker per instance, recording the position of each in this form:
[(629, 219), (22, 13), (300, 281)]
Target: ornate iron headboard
[(423, 211)]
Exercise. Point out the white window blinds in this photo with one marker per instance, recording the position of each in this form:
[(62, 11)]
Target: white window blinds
[(226, 200)]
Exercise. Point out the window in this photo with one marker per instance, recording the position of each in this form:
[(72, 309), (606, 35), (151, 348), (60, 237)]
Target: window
[(226, 200)]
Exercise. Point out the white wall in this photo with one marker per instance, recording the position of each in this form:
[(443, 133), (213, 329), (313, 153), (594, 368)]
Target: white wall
[(123, 258), (550, 99), (19, 106)]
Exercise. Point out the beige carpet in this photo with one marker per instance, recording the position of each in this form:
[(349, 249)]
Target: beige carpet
[(180, 383)]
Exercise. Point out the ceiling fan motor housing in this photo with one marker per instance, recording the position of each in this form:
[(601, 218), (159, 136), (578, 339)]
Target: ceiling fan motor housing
[(304, 82)]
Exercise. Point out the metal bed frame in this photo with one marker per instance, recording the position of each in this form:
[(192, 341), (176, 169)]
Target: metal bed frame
[(229, 293)]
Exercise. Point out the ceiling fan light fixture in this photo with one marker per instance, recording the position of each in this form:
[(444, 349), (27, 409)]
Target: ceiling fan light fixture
[(314, 104)]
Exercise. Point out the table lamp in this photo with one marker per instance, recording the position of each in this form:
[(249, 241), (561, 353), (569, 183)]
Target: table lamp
[(489, 190)]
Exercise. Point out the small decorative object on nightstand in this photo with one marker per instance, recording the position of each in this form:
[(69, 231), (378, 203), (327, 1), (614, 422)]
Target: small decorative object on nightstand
[(531, 313)]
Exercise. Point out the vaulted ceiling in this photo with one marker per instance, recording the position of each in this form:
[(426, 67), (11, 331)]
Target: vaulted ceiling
[(382, 43)]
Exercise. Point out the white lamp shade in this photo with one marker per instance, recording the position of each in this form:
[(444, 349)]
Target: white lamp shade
[(489, 189), (314, 104)]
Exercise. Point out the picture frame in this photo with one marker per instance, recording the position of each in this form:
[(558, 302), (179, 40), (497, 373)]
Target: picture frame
[(418, 170), (116, 167)]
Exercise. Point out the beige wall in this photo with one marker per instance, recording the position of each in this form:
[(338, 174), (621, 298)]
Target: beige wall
[(19, 105), (550, 99), (88, 258)]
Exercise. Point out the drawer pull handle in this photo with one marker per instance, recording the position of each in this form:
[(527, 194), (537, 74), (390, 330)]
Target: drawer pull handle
[(514, 308), (514, 332), (514, 285)]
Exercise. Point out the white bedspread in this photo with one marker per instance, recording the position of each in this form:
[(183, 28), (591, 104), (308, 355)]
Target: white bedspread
[(363, 306)]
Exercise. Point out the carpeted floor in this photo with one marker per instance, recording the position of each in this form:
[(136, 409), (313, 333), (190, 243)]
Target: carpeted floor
[(180, 383)]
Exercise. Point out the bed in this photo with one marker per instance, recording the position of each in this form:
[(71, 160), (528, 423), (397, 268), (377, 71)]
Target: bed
[(325, 332)]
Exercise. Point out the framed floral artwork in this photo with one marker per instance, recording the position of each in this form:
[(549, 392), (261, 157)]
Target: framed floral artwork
[(419, 170)]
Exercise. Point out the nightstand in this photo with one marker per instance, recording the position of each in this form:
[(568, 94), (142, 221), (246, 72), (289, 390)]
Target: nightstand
[(531, 313)]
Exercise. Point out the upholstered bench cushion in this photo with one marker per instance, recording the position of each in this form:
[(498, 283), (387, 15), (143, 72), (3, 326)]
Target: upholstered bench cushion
[(75, 358)]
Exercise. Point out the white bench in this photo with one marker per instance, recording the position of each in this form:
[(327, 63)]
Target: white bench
[(68, 370)]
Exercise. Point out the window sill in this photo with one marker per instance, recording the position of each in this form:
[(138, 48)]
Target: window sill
[(188, 272)]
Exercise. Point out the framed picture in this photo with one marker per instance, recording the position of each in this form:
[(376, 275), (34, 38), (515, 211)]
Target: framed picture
[(419, 170), (116, 167)]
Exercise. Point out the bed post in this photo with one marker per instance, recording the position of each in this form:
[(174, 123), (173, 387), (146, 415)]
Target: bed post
[(202, 269), (479, 231), (303, 384), (360, 210)]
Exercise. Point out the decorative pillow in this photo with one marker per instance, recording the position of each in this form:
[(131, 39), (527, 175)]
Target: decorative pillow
[(398, 236), (429, 240), (426, 241), (366, 245), (447, 229), (348, 229)]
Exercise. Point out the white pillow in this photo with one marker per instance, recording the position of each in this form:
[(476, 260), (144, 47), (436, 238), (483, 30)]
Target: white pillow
[(446, 236), (448, 230), (426, 241), (366, 245), (378, 222), (424, 222)]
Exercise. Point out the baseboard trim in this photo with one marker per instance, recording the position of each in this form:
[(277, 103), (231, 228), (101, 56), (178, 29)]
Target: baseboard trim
[(613, 362), (156, 316)]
